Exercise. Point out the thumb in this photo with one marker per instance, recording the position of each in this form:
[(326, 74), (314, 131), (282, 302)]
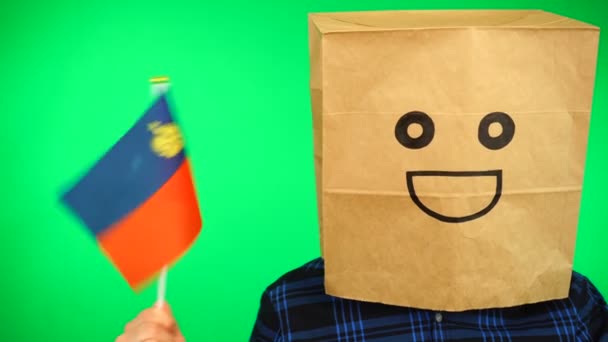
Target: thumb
[(166, 308), (179, 337), (163, 305)]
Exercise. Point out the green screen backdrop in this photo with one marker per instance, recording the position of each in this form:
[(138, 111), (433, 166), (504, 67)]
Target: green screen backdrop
[(75, 77)]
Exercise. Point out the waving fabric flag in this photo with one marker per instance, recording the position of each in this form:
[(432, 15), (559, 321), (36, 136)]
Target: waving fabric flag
[(139, 199)]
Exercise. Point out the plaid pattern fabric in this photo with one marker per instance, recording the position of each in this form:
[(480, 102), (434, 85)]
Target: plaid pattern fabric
[(296, 308)]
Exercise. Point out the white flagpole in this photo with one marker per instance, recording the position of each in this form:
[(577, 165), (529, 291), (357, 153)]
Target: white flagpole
[(160, 85), (161, 287)]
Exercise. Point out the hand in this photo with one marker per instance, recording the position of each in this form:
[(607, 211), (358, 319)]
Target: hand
[(152, 325)]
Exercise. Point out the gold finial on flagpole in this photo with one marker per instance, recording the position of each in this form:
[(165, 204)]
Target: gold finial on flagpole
[(159, 85), (159, 79)]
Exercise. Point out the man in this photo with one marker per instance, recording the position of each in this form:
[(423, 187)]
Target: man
[(449, 151), (296, 308)]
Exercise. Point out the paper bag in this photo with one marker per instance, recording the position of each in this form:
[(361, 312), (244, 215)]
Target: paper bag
[(449, 151)]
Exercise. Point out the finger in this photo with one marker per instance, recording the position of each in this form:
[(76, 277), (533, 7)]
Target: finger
[(150, 331), (164, 306), (167, 308), (178, 335), (131, 325), (158, 316)]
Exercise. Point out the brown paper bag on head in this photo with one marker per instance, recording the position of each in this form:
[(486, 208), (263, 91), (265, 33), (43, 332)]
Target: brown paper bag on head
[(449, 152)]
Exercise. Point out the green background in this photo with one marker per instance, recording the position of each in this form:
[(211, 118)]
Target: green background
[(74, 78)]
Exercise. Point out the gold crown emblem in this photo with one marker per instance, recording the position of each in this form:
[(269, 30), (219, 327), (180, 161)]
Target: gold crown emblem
[(167, 140)]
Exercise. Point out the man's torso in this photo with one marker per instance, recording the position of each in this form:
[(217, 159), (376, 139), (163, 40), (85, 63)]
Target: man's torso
[(296, 308)]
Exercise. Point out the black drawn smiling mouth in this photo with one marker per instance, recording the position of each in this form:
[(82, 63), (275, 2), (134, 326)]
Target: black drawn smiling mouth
[(409, 175)]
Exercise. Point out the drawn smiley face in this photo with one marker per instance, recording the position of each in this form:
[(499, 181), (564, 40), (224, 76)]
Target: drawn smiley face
[(406, 135)]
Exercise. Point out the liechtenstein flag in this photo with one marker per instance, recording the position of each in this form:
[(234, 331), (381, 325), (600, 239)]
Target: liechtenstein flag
[(139, 199)]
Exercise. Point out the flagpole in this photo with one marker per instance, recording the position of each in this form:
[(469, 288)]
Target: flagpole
[(161, 287), (158, 86)]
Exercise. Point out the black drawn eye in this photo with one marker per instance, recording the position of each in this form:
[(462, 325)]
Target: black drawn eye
[(415, 130), (501, 135)]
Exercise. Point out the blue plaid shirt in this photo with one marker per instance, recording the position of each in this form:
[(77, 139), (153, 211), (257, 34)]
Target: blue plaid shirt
[(296, 308)]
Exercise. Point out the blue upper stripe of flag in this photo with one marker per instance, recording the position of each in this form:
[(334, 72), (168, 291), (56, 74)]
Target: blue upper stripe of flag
[(126, 176)]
